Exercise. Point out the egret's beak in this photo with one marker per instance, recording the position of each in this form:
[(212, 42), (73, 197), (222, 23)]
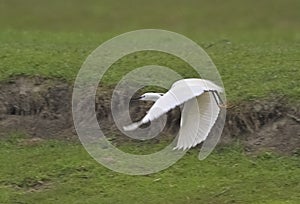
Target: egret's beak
[(136, 99)]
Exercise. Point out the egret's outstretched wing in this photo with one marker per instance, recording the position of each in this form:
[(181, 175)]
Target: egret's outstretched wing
[(174, 97), (181, 92), (198, 117)]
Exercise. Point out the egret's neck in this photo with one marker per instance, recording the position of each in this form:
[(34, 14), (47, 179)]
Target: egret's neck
[(152, 97)]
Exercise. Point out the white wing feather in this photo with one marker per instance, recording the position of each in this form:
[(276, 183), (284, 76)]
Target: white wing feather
[(188, 124), (197, 118)]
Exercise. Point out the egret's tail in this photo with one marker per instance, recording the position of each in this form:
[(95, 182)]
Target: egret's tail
[(133, 126)]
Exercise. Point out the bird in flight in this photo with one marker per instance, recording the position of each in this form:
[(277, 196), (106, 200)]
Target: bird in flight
[(201, 102)]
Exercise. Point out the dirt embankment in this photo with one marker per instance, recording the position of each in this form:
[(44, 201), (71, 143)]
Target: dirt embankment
[(42, 108)]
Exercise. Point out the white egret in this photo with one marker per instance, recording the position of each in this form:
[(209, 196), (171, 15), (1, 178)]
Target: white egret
[(201, 105)]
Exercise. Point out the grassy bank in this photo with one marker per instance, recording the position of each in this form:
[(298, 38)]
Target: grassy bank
[(53, 38), (249, 69)]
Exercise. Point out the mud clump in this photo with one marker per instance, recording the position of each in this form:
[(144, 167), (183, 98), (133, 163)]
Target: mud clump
[(35, 105), (42, 108), (264, 125)]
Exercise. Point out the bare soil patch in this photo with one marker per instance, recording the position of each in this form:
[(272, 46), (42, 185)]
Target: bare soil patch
[(41, 108)]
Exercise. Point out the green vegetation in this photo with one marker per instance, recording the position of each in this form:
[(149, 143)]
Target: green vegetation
[(191, 17), (261, 58), (60, 172), (249, 69)]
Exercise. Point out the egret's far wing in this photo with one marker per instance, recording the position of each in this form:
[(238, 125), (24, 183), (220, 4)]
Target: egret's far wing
[(210, 112), (197, 118), (176, 96), (189, 124)]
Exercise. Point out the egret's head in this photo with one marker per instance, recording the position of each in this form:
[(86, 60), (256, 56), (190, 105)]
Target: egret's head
[(149, 97)]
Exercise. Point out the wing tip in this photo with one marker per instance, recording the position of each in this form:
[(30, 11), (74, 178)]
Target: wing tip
[(131, 127), (181, 148)]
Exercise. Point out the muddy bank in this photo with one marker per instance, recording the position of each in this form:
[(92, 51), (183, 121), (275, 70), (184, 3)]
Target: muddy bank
[(42, 108)]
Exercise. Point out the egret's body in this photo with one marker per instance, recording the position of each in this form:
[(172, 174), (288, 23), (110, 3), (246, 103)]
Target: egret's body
[(200, 99)]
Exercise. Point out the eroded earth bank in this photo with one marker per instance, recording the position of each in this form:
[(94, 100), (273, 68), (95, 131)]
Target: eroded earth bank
[(41, 108)]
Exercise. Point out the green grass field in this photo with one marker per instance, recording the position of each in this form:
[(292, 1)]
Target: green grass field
[(53, 38), (248, 69), (61, 172)]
